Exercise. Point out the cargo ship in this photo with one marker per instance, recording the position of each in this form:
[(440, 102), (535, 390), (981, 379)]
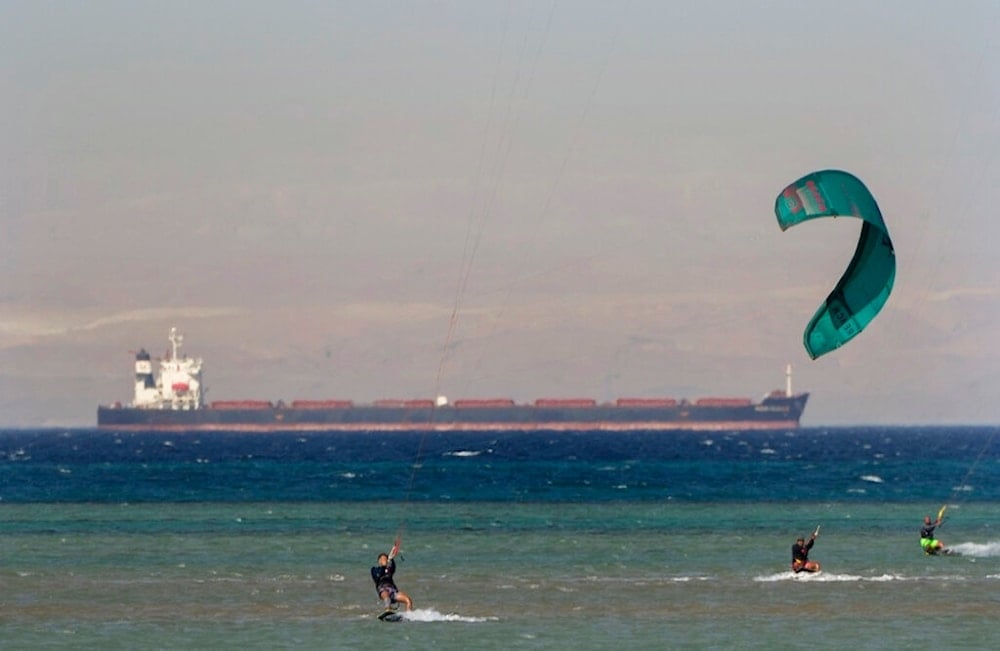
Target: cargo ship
[(171, 399)]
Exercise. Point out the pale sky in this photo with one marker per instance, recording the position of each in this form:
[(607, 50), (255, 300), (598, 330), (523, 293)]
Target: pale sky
[(310, 191)]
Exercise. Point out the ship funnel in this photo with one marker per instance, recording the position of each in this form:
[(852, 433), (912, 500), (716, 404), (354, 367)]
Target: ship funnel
[(788, 381), (143, 371)]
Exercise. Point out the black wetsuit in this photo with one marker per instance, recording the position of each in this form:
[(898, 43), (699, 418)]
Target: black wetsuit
[(382, 576), (800, 555), (927, 531)]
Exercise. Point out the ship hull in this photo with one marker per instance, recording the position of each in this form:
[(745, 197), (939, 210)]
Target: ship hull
[(770, 413)]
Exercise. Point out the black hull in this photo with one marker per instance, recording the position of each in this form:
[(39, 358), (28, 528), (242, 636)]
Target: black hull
[(770, 413)]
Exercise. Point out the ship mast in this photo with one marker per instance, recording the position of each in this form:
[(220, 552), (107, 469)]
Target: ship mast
[(788, 381), (176, 340)]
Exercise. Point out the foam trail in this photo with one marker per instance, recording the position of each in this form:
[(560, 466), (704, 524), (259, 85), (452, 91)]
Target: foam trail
[(431, 615), (825, 577), (978, 550)]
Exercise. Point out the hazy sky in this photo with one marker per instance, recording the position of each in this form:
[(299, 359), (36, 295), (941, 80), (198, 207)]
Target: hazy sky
[(494, 199)]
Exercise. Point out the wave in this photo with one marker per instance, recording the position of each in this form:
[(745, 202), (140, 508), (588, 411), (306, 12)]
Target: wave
[(875, 479)]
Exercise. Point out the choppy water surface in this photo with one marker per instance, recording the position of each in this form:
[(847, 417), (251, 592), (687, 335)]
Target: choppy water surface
[(533, 541)]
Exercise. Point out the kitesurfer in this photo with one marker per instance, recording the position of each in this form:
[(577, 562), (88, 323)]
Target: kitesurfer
[(384, 585), (800, 555), (928, 542)]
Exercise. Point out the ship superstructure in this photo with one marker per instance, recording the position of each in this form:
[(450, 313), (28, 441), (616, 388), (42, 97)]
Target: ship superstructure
[(177, 385)]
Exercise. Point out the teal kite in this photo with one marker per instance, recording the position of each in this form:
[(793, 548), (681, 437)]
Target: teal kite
[(866, 284)]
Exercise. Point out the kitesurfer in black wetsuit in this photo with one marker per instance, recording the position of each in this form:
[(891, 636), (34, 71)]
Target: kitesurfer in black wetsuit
[(800, 555), (384, 585)]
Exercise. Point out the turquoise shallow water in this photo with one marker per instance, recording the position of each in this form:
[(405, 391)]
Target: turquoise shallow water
[(529, 542), (494, 576)]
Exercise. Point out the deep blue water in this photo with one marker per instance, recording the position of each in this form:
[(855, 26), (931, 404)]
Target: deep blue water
[(859, 464)]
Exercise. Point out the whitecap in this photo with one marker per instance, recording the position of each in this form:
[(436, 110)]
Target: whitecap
[(875, 479)]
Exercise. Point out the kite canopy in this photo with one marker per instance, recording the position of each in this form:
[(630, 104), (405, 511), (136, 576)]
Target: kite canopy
[(867, 282)]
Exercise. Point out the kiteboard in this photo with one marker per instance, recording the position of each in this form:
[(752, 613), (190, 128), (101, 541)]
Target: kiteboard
[(391, 616)]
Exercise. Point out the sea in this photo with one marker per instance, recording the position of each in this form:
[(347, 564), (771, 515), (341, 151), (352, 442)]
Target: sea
[(522, 540)]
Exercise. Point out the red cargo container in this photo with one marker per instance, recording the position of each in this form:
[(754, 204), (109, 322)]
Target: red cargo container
[(565, 402), (473, 403), (404, 404), (646, 402), (723, 402), (321, 404), (242, 404)]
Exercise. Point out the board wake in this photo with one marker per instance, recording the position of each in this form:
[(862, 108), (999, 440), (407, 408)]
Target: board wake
[(431, 615), (827, 577), (977, 550)]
